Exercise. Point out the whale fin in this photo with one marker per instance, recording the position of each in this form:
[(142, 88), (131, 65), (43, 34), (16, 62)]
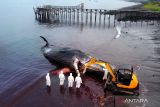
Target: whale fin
[(45, 40)]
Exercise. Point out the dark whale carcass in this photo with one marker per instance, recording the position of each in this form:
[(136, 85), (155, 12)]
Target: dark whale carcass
[(62, 56)]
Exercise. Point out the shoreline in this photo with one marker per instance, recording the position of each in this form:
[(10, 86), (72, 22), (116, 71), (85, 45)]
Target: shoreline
[(138, 7), (142, 7)]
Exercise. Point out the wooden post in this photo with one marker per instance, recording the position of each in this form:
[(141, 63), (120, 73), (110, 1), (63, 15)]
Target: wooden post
[(120, 16), (95, 15), (54, 16), (109, 18), (74, 15), (77, 15), (104, 15), (132, 15), (100, 12), (90, 15), (86, 16), (48, 14), (114, 18), (43, 16), (104, 20), (70, 15), (61, 12), (136, 17), (66, 13), (125, 18), (57, 11), (40, 15), (46, 17), (81, 15)]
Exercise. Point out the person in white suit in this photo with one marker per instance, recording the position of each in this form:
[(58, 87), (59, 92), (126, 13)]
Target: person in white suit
[(61, 78), (48, 80), (105, 73), (70, 80), (78, 81), (75, 64)]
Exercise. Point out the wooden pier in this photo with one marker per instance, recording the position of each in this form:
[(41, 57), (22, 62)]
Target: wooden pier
[(48, 13)]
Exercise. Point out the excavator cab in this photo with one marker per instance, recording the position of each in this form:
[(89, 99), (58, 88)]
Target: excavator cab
[(126, 81), (124, 74)]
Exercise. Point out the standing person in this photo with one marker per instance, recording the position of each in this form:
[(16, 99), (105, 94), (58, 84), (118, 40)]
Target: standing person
[(48, 80), (61, 78), (70, 80), (78, 81), (105, 73), (75, 64)]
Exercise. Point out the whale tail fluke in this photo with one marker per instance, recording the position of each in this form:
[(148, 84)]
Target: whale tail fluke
[(45, 40)]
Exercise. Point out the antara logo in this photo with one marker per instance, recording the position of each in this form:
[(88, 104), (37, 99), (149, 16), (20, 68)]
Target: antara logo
[(141, 100)]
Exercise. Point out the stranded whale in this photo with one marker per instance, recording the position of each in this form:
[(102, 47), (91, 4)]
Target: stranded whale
[(62, 56)]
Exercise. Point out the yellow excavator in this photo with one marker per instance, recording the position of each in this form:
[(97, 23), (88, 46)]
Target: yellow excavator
[(121, 80)]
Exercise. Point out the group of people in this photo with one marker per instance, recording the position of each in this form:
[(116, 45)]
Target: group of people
[(71, 80)]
